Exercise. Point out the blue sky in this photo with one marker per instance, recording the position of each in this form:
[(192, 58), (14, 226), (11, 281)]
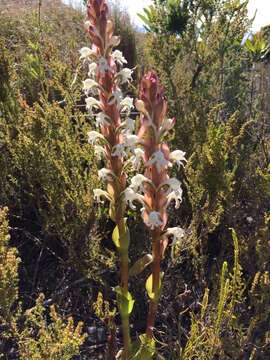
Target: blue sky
[(135, 6)]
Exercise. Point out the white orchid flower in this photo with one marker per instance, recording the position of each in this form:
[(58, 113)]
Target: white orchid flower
[(158, 159), (125, 75), (86, 52), (100, 152), (177, 233), (175, 195), (131, 140), (131, 196), (103, 65), (118, 57), (116, 97), (119, 150), (129, 125), (92, 69), (89, 84), (172, 184), (178, 156), (137, 182), (127, 104), (154, 220), (99, 193), (137, 158), (91, 103), (105, 174), (102, 119), (93, 136)]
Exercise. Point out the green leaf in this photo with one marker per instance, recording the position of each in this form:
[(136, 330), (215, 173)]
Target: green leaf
[(140, 265), (144, 19), (121, 241), (149, 287), (142, 349), (147, 350), (249, 45), (125, 301), (134, 350), (116, 237)]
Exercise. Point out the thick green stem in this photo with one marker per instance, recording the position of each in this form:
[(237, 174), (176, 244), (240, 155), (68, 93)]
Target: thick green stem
[(156, 285), (124, 271)]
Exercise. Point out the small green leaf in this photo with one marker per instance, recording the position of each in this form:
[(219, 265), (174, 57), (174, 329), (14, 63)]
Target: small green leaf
[(125, 301), (140, 265), (149, 287), (115, 237), (142, 349), (134, 349), (121, 241), (147, 350)]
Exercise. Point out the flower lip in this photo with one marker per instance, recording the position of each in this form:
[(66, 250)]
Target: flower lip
[(177, 233), (93, 136), (99, 193), (102, 119), (119, 151), (172, 184), (85, 52), (131, 196), (106, 174), (127, 103), (118, 57), (137, 182), (153, 220), (91, 103), (137, 158), (178, 156), (158, 159)]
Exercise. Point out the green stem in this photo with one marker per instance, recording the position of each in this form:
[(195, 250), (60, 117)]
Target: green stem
[(124, 272), (156, 285)]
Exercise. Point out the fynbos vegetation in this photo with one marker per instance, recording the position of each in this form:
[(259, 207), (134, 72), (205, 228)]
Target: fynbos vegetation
[(115, 244)]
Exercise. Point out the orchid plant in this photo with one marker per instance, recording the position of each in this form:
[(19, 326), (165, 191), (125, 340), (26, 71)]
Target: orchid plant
[(155, 189), (112, 139), (117, 146)]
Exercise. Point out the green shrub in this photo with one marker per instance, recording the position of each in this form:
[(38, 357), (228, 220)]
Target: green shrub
[(58, 339), (36, 339), (9, 264)]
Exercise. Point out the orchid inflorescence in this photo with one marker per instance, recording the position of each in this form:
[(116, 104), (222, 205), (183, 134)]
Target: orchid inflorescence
[(113, 140), (115, 144), (154, 189)]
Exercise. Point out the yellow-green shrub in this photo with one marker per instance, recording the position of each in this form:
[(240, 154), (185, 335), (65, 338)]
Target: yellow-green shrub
[(9, 263), (35, 336), (216, 330), (53, 339)]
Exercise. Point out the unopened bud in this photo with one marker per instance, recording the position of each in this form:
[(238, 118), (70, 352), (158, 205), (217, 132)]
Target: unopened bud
[(140, 106)]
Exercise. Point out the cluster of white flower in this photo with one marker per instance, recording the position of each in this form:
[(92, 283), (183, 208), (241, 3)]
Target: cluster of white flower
[(145, 189), (129, 145), (99, 66), (90, 86)]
